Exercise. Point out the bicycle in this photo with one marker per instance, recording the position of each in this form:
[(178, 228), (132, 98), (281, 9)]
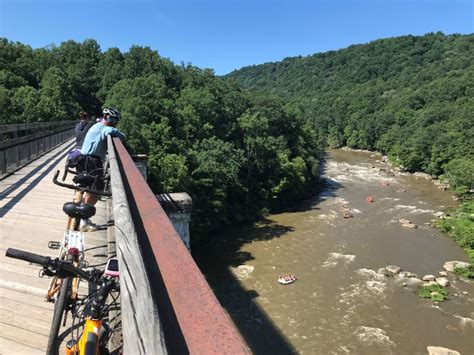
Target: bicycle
[(64, 291), (93, 310)]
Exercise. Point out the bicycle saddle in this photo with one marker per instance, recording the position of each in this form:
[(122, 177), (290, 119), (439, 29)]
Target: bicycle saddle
[(83, 180), (76, 210)]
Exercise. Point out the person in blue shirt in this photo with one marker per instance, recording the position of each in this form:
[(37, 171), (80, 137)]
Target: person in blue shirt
[(94, 150)]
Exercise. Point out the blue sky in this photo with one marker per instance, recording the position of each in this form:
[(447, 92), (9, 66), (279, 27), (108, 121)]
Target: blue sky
[(228, 34)]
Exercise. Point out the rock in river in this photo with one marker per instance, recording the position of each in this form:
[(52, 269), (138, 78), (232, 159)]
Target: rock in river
[(451, 265), (442, 281), (429, 278), (393, 269), (438, 350)]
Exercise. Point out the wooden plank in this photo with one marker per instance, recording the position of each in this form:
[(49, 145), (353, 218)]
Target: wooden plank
[(8, 347), (10, 317), (26, 304), (142, 330), (29, 224), (23, 337)]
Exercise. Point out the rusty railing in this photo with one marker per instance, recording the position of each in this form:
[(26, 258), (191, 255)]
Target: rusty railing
[(166, 304)]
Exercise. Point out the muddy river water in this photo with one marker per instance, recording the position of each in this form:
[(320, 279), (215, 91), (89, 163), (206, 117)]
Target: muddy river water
[(340, 304)]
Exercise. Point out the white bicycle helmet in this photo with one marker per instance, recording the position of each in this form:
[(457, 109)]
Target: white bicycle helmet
[(112, 112)]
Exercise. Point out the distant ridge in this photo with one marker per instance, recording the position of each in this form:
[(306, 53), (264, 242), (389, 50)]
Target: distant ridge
[(410, 96)]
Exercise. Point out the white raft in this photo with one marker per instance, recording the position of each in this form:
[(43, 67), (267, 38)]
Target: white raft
[(288, 279)]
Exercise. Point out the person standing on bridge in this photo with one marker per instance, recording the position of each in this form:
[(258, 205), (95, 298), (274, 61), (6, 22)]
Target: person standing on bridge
[(93, 153), (80, 131)]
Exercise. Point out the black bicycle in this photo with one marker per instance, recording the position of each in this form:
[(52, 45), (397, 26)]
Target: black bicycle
[(90, 331)]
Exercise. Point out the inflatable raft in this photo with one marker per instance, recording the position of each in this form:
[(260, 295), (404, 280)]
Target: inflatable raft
[(286, 279)]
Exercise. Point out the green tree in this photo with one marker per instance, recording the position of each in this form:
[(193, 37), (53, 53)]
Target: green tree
[(460, 174), (56, 101)]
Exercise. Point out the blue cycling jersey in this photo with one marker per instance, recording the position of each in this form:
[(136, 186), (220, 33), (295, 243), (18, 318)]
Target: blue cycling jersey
[(95, 142)]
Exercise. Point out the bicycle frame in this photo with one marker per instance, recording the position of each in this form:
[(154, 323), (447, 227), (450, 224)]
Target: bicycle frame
[(72, 225), (90, 339), (74, 246)]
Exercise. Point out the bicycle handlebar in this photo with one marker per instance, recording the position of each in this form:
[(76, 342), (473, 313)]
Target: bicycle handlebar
[(27, 256), (79, 188), (68, 170), (46, 261)]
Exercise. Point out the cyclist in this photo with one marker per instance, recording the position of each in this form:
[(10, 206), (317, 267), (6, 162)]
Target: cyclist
[(93, 153)]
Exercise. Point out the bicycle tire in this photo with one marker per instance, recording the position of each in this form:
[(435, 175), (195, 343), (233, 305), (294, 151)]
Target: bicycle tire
[(59, 310)]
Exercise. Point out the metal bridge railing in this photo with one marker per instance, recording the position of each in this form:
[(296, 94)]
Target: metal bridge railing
[(22, 143), (166, 304)]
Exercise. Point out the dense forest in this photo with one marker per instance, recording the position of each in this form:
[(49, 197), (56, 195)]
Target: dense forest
[(237, 155), (252, 141), (409, 97)]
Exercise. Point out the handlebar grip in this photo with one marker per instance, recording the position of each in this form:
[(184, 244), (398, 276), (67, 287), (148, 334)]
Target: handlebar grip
[(27, 256)]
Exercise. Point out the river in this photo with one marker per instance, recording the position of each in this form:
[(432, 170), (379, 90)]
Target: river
[(340, 304)]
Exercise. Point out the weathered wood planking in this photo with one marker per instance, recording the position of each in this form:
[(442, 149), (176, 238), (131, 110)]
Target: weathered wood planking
[(142, 331), (31, 210)]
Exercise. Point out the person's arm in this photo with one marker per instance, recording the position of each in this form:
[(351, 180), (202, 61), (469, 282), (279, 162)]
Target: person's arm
[(114, 132)]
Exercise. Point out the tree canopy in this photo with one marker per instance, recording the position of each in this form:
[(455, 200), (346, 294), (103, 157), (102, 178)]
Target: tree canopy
[(237, 155)]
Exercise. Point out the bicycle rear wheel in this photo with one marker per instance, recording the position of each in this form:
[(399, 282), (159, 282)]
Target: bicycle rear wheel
[(59, 310)]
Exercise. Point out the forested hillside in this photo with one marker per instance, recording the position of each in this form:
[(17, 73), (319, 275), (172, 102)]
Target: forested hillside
[(409, 97), (235, 154)]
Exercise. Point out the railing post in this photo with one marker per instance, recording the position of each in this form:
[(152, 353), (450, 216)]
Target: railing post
[(3, 163), (178, 206), (17, 157)]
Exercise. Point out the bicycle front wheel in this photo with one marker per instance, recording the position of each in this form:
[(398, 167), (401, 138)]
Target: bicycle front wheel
[(59, 310)]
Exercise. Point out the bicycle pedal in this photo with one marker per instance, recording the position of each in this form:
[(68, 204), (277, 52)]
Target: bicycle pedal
[(54, 245)]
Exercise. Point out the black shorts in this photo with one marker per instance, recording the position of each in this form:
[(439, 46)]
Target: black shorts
[(92, 165)]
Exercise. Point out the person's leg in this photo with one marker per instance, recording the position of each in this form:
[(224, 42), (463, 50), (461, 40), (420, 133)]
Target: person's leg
[(94, 167), (90, 199)]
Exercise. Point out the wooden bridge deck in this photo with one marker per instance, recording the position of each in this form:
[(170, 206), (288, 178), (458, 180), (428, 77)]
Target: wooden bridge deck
[(30, 216)]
